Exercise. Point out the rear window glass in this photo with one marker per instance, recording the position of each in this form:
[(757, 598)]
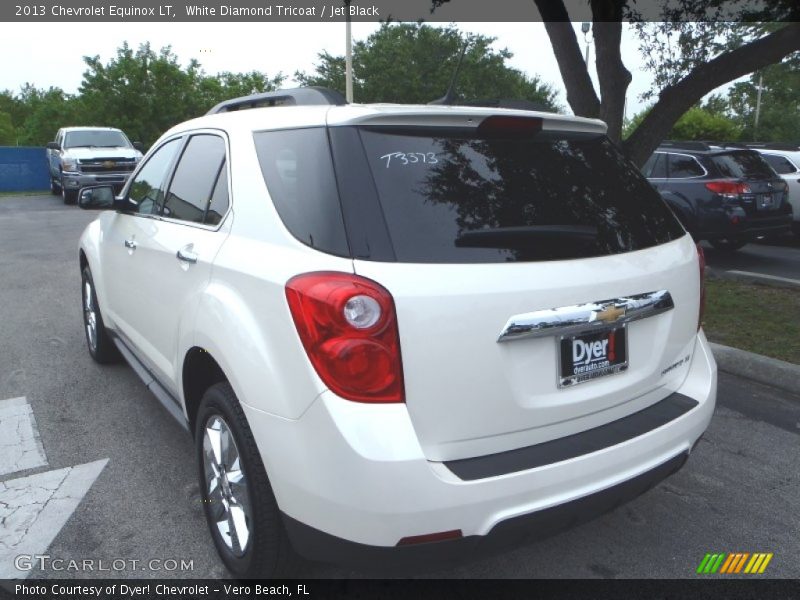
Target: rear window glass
[(743, 165), (296, 165), (781, 164), (451, 198)]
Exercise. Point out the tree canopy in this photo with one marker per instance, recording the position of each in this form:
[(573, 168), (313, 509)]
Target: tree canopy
[(414, 63), (142, 92)]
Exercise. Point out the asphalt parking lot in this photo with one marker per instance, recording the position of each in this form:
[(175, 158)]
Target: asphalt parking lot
[(738, 492)]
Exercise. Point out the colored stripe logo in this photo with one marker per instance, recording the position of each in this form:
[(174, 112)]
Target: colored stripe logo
[(734, 563)]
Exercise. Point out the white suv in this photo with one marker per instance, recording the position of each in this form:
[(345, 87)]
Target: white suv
[(401, 332)]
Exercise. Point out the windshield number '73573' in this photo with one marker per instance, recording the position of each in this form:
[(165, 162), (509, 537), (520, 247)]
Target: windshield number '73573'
[(409, 158)]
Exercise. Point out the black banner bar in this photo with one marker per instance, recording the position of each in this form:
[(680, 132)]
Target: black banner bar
[(420, 589), (320, 11)]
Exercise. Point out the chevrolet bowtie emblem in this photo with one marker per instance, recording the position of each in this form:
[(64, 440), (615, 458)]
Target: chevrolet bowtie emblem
[(610, 314)]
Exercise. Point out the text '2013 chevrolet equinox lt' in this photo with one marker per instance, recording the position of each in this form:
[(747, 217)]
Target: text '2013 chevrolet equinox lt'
[(401, 331)]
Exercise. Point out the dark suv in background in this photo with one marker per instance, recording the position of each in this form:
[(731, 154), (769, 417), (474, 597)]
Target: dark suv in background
[(721, 193)]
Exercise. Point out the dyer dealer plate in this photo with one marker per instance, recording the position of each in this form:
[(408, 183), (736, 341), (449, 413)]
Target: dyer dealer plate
[(587, 356)]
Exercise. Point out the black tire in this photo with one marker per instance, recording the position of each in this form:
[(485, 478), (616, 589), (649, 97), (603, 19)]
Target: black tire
[(102, 348), (55, 187), (69, 196), (267, 552), (796, 229), (727, 244)]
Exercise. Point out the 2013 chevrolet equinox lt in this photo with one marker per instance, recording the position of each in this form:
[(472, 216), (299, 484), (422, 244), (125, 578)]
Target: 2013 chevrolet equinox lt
[(401, 331)]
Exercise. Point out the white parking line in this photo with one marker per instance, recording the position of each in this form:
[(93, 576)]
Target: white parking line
[(20, 446), (764, 276), (33, 510)]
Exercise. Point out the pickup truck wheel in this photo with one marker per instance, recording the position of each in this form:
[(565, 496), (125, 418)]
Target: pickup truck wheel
[(69, 196), (101, 346), (727, 244), (55, 187), (241, 510)]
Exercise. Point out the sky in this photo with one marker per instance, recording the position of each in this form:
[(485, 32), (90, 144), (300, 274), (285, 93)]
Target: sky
[(266, 47)]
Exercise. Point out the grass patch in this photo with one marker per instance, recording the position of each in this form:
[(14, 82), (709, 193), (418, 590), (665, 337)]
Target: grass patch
[(753, 317), (17, 194)]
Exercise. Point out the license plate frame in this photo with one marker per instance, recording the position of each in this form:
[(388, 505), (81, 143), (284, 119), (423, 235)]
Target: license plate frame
[(765, 202), (598, 366)]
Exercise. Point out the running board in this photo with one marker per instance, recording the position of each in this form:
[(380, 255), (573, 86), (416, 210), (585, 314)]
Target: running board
[(166, 399)]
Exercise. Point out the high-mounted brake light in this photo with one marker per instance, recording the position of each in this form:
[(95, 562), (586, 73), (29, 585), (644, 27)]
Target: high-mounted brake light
[(348, 327), (503, 126), (728, 188), (701, 260)]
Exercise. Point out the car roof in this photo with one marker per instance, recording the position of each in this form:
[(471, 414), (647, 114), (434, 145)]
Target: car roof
[(286, 117), (92, 128)]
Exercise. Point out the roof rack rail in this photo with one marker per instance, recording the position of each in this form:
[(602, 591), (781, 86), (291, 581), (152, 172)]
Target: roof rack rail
[(685, 145), (304, 96), (728, 145), (775, 146)]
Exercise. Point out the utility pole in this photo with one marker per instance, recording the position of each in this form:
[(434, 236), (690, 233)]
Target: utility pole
[(586, 27), (758, 106), (348, 60)]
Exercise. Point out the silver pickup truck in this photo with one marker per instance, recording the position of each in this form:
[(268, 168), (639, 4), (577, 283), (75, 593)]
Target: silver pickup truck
[(84, 156)]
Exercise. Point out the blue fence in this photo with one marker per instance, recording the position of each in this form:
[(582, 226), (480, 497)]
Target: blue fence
[(23, 169)]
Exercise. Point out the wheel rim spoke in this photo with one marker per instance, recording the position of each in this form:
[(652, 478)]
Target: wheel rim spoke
[(226, 486), (239, 528), (90, 315)]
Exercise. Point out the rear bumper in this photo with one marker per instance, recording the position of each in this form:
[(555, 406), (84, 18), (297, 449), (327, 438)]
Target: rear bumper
[(747, 228), (352, 481), (516, 531)]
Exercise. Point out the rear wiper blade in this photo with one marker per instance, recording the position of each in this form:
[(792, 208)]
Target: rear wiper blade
[(510, 236)]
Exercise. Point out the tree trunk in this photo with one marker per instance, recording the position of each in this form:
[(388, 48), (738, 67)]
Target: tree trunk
[(580, 92), (680, 97), (612, 75)]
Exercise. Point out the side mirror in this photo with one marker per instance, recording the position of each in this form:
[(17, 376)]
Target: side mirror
[(139, 146), (53, 146), (96, 197)]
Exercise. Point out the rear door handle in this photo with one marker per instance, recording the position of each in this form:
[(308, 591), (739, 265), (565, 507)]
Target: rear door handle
[(185, 254), (131, 243)]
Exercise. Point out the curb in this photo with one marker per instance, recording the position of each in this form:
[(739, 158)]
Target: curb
[(769, 371), (759, 278)]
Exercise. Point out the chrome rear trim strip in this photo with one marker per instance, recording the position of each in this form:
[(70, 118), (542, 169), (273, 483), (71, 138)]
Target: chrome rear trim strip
[(579, 318)]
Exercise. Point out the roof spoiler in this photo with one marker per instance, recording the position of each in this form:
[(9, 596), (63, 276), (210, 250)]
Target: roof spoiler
[(304, 96)]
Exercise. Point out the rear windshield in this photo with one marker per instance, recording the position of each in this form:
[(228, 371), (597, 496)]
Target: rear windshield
[(456, 199), (95, 139), (743, 165)]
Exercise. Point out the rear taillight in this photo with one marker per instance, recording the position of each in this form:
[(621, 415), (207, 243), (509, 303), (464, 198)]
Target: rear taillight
[(348, 327), (701, 261), (728, 188)]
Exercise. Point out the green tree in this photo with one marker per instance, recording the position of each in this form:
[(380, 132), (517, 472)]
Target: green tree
[(8, 136), (144, 93), (700, 124), (45, 111), (414, 63), (779, 118)]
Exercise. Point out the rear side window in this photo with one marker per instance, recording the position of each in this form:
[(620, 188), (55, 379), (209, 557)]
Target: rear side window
[(194, 179), (743, 165), (455, 199), (297, 168), (683, 166), (781, 164), (657, 166)]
